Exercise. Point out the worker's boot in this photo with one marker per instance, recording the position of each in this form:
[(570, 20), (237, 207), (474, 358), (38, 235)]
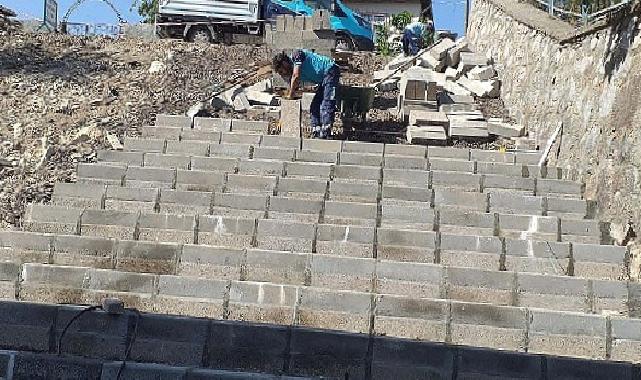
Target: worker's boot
[(316, 131), (326, 131)]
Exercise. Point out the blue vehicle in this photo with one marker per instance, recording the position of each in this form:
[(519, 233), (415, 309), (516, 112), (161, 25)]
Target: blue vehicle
[(219, 20)]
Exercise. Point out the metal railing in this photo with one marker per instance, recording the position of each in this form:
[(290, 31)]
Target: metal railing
[(581, 11), (88, 29)]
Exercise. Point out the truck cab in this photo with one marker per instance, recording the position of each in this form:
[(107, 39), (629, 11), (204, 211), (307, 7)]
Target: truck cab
[(353, 32)]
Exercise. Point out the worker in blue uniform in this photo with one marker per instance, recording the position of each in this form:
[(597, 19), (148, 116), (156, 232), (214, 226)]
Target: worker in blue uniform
[(308, 67), (417, 35)]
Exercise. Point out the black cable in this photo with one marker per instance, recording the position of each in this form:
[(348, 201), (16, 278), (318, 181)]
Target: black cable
[(71, 321), (131, 343)]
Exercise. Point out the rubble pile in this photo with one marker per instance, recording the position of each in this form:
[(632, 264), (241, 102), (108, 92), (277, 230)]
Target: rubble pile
[(7, 23)]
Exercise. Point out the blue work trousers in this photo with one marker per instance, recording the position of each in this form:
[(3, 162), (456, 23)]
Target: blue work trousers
[(411, 43), (323, 105)]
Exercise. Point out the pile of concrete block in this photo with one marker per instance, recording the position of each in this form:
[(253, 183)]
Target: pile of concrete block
[(427, 127), (297, 32)]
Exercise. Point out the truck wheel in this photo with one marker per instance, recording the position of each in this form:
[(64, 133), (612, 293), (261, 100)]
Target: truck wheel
[(344, 43), (199, 34)]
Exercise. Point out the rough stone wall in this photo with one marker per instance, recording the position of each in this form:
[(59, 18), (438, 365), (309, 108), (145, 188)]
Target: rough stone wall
[(590, 83)]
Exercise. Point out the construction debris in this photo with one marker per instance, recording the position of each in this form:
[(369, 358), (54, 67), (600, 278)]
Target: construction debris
[(7, 23)]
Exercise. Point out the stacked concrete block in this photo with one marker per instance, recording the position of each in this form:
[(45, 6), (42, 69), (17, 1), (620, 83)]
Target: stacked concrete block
[(416, 280), (494, 182), (448, 152), (583, 231), (288, 208), (455, 180), (533, 227), (169, 161), (240, 138), (406, 245), (211, 262), (215, 164), (25, 247), (286, 235), (179, 295), (82, 251), (131, 199), (537, 256), (350, 213), (313, 156), (508, 203), (483, 252), (108, 224), (335, 309), (212, 124), (343, 273), (361, 159), (461, 221), (351, 191), (61, 220), (165, 133), (251, 184), (477, 285), (78, 195), (412, 318), (570, 208), (274, 153), (407, 215), (129, 158), (626, 339), (492, 326), (53, 284), (188, 148), (147, 257), (401, 177), (147, 145), (447, 164), (230, 150), (163, 120), (404, 193), (150, 177), (262, 302), (279, 267), (302, 188), (240, 205), (340, 240), (223, 231), (184, 202), (261, 167), (599, 261), (553, 292), (460, 200), (290, 117), (295, 32), (560, 188), (167, 227), (102, 174), (427, 125)]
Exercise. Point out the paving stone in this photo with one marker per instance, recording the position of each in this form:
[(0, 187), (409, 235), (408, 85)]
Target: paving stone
[(225, 231), (167, 228), (52, 219), (352, 213), (599, 261), (294, 209), (77, 195), (456, 180), (101, 174), (163, 120), (200, 180), (491, 326), (83, 251), (130, 199), (406, 163), (273, 153), (248, 126), (537, 256), (211, 137), (559, 188), (335, 309), (129, 158), (533, 227), (240, 205), (465, 222), (280, 141), (23, 247), (323, 145), (308, 170), (250, 184), (302, 188), (402, 177), (405, 193), (219, 164), (239, 138), (411, 359), (211, 262), (148, 257), (405, 150), (149, 177), (340, 272), (185, 202), (262, 302), (448, 164), (188, 148), (230, 150), (348, 191), (195, 297), (203, 123), (406, 245), (351, 241), (461, 200), (553, 292), (626, 339), (476, 285), (361, 159), (261, 167), (146, 145), (482, 252), (508, 203), (316, 156), (285, 236), (410, 215), (446, 152), (559, 333), (411, 318), (108, 224)]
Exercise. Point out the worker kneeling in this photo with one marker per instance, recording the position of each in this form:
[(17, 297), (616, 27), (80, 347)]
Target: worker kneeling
[(309, 67)]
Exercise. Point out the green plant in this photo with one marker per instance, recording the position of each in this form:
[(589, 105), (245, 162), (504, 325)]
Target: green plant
[(147, 9), (382, 40), (401, 20)]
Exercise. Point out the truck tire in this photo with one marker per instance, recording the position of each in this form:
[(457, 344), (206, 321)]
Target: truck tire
[(199, 34), (344, 42)]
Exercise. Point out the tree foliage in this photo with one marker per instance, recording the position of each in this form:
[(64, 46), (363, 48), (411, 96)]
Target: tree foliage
[(147, 9), (401, 20)]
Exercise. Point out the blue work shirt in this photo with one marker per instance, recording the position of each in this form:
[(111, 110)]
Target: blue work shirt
[(313, 67), (417, 28)]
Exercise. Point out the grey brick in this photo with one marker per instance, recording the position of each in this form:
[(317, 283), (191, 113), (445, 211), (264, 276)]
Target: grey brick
[(108, 173), (20, 247), (349, 241), (350, 213), (211, 262), (78, 195), (407, 163), (167, 228), (239, 202), (516, 204), (52, 219), (444, 152), (222, 164), (537, 256), (129, 158), (274, 153), (83, 251), (334, 309), (354, 172), (416, 215), (553, 292), (164, 133), (559, 187), (127, 282), (564, 206), (477, 285), (411, 318), (417, 280), (130, 199), (528, 158), (362, 147), (529, 225), (346, 191), (181, 121), (361, 159), (203, 123), (286, 236), (579, 227), (317, 156), (405, 150), (280, 142), (458, 180), (279, 267), (294, 209), (302, 188), (626, 339), (149, 177), (225, 231), (403, 177), (194, 297), (323, 145), (308, 170), (239, 138), (248, 126), (200, 180), (465, 222), (262, 302), (609, 297), (492, 156), (471, 251), (250, 184), (211, 137), (261, 167), (599, 261), (188, 148), (494, 181), (448, 164), (147, 257), (184, 202), (405, 193), (148, 145), (108, 224), (230, 150), (500, 168), (462, 200), (340, 272), (406, 245)]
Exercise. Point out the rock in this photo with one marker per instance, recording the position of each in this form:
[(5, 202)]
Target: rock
[(500, 128), (481, 73), (156, 67), (483, 89)]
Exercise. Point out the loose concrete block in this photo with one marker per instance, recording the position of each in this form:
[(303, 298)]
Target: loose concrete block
[(248, 126), (348, 191), (308, 170), (447, 164), (194, 297), (354, 172), (220, 164), (411, 318), (501, 168), (553, 292), (163, 120), (23, 247), (261, 167), (537, 256), (514, 184), (558, 187), (290, 117), (149, 177), (568, 334), (262, 302), (239, 205), (147, 145), (466, 222), (101, 174), (482, 252), (211, 262), (285, 236), (108, 224), (352, 213), (222, 125), (408, 215), (362, 147), (302, 188), (335, 309), (317, 156), (147, 257), (491, 326), (130, 199), (609, 297), (279, 267), (129, 158), (83, 251), (52, 219), (406, 245), (445, 152), (184, 202), (239, 138), (476, 285), (599, 261), (361, 159), (411, 178), (461, 181), (507, 203), (167, 228), (77, 195), (250, 184), (294, 209), (461, 200), (626, 339), (277, 141), (225, 231), (416, 280), (404, 193), (349, 241), (230, 150), (188, 148), (210, 137), (323, 145), (340, 272), (161, 133), (405, 163), (405, 150), (280, 154)]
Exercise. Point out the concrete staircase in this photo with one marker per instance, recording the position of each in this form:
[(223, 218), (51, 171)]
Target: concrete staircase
[(217, 219)]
